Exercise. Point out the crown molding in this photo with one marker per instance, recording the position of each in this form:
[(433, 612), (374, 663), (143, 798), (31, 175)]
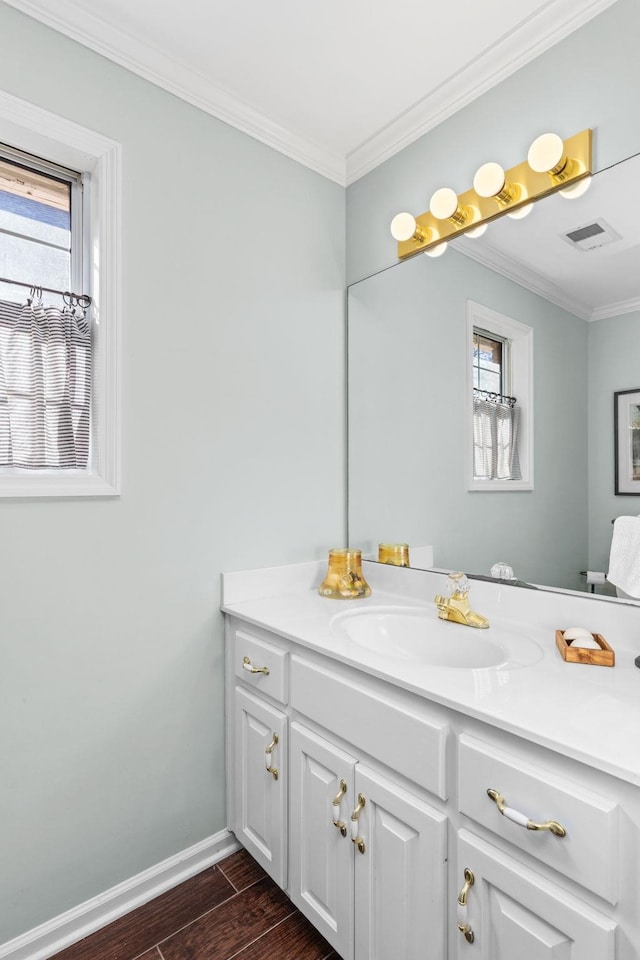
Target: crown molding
[(520, 274), (514, 50), (555, 21), (81, 24), (616, 309), (530, 280)]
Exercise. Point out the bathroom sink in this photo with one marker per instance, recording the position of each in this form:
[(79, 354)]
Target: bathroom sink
[(416, 634)]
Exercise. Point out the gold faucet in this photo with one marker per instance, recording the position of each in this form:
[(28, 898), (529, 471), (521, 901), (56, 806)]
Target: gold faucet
[(456, 606)]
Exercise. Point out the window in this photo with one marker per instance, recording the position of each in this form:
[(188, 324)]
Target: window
[(500, 401), (489, 362), (59, 229)]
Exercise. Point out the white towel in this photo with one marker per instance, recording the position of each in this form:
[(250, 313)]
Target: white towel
[(624, 559)]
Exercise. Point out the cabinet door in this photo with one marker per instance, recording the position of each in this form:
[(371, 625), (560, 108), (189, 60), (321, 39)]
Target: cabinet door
[(261, 783), (400, 873), (320, 854), (515, 912)]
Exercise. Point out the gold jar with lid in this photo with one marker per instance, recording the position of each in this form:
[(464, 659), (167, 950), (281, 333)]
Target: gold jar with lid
[(344, 579), (394, 553)]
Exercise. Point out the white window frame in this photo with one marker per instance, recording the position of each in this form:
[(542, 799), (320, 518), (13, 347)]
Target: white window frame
[(520, 340), (54, 138)]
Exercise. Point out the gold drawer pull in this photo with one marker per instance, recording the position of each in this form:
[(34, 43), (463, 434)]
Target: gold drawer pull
[(337, 822), (463, 926), (267, 757), (248, 666), (466, 932), (355, 838), (522, 820)]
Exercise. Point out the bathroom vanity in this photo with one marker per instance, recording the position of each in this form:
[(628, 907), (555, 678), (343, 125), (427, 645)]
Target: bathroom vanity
[(363, 738)]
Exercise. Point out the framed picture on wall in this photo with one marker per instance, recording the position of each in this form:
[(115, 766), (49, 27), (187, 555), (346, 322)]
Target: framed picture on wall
[(626, 422)]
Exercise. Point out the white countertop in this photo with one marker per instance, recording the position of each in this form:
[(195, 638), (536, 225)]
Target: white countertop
[(589, 713)]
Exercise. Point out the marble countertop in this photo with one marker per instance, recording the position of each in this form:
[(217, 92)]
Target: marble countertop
[(590, 713)]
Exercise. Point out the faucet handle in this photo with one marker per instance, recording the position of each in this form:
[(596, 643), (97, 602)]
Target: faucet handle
[(457, 585)]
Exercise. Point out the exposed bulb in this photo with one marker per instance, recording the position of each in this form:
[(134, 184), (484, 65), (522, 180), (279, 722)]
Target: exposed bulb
[(489, 180), (522, 212), (476, 232), (577, 189), (403, 226), (443, 203), (545, 153), (437, 251)]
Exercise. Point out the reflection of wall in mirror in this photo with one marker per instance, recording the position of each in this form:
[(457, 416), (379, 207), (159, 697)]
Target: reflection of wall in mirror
[(408, 364), (614, 348)]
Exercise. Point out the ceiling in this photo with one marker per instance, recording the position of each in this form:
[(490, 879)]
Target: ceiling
[(339, 86)]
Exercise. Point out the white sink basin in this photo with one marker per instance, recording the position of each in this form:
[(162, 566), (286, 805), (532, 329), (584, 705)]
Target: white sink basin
[(416, 634)]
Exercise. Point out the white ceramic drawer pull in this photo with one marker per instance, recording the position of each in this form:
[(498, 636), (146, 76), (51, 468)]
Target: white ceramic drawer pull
[(355, 816), (249, 667), (268, 756), (522, 820), (463, 926), (337, 822)]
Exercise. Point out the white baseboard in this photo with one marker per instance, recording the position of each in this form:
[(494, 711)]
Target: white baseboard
[(56, 934)]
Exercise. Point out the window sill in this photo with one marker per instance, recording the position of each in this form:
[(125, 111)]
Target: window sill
[(45, 484), (499, 486)]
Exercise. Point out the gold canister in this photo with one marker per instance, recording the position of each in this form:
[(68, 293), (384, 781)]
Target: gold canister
[(394, 553), (344, 579)]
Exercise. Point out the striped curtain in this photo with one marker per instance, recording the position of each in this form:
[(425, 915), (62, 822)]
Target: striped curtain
[(45, 386), (495, 440)]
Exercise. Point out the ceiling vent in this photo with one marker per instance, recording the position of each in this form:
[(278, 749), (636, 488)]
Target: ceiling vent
[(592, 235)]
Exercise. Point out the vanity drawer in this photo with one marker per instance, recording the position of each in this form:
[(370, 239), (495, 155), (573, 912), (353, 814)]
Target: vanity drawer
[(261, 664), (588, 854), (407, 738)]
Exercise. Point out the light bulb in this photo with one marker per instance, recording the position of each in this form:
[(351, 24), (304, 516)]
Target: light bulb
[(546, 153), (521, 212), (403, 226), (436, 251), (443, 203), (489, 180), (476, 232), (577, 189)]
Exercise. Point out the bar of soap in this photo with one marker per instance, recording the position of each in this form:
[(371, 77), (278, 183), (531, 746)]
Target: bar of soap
[(583, 637)]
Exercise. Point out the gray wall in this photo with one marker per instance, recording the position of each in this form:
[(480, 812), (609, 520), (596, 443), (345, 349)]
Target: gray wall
[(589, 79), (407, 445), (614, 350), (111, 684)]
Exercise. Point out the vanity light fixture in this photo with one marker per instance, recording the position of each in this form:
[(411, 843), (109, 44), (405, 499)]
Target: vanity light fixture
[(577, 189), (490, 181), (521, 212), (547, 155), (476, 232), (444, 205), (552, 165), (404, 226), (438, 250)]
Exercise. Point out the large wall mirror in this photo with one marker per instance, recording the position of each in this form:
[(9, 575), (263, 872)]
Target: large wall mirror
[(570, 273)]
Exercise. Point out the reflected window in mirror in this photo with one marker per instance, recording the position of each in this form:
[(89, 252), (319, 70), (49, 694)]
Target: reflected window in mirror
[(500, 381), (490, 358)]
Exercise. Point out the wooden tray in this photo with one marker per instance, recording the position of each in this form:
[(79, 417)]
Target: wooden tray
[(604, 657)]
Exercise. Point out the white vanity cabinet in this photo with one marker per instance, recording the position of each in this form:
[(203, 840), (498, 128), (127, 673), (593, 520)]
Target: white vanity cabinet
[(513, 911), (257, 760), (367, 857), (381, 809)]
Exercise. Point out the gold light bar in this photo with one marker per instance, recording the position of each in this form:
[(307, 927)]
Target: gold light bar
[(524, 186)]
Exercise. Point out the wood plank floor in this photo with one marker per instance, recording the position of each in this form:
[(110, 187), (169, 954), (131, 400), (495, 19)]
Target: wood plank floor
[(232, 910)]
